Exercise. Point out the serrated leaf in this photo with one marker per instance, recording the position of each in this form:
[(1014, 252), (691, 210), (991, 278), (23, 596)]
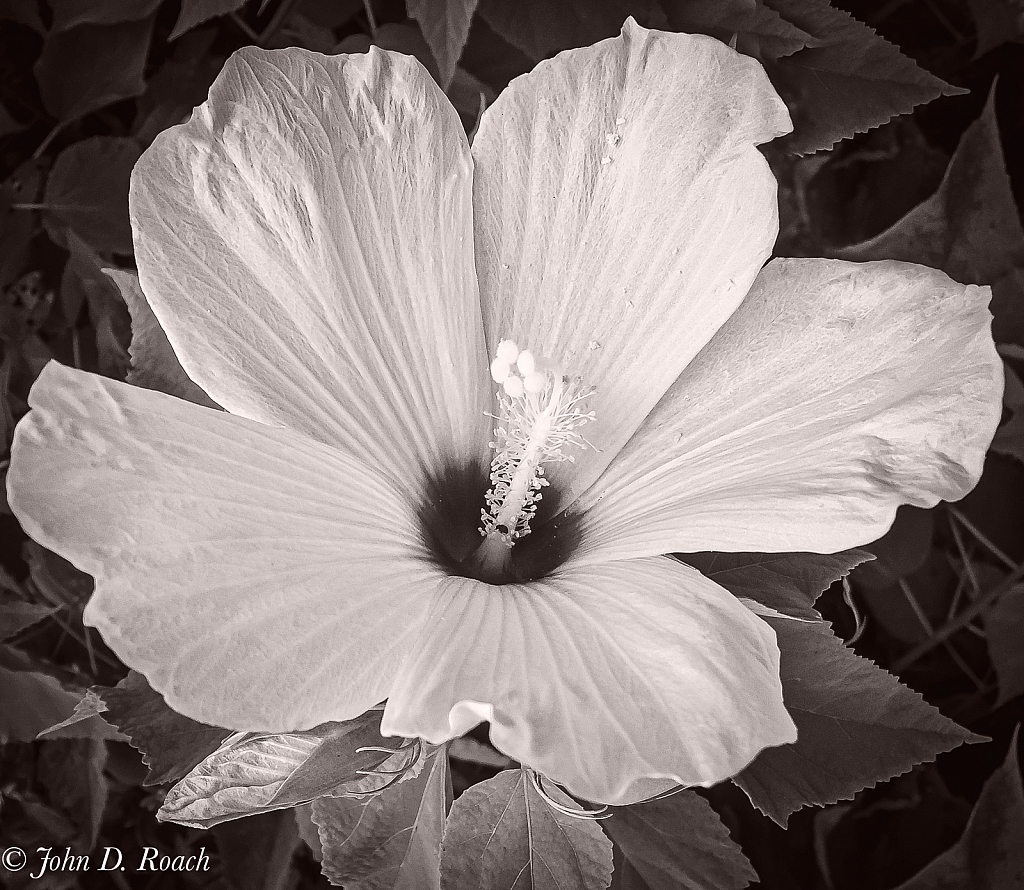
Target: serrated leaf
[(390, 840), (89, 67), (445, 27), (16, 615), (989, 855), (69, 13), (679, 843), (857, 725), (171, 743), (258, 772), (86, 722), (88, 191), (852, 81), (788, 582), (154, 363), (540, 28), (502, 834), (195, 12), (969, 228), (1004, 630), (759, 31), (30, 701)]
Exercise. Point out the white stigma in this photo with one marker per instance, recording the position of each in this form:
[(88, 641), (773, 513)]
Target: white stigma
[(539, 415)]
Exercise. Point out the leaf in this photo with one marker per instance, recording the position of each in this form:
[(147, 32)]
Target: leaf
[(30, 701), (857, 725), (88, 191), (154, 364), (107, 311), (17, 226), (1004, 630), (86, 722), (788, 582), (541, 28), (390, 840), (502, 834), (258, 772), (997, 22), (902, 550), (470, 750), (852, 81), (89, 67), (72, 771), (445, 27), (969, 228), (256, 853), (171, 743), (16, 615), (69, 13), (759, 31), (679, 843), (195, 12), (989, 855), (56, 580)]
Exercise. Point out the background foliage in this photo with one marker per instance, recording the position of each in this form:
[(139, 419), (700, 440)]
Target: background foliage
[(896, 153)]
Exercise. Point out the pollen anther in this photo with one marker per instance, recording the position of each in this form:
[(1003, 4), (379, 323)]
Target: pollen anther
[(538, 421)]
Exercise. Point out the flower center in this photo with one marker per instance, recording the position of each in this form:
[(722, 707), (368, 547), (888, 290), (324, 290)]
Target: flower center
[(538, 419)]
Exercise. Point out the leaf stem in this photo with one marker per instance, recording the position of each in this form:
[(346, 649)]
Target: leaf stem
[(961, 621)]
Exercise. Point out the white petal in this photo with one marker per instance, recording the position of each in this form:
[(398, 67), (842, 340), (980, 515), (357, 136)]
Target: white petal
[(837, 392), (605, 679), (622, 211), (259, 579), (306, 243)]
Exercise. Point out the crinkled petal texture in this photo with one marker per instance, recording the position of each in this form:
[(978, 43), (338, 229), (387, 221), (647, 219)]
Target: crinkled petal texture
[(622, 211), (604, 678), (259, 579), (306, 242), (835, 393)]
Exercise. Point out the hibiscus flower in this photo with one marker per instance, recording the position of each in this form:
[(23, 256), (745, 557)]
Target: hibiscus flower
[(474, 396)]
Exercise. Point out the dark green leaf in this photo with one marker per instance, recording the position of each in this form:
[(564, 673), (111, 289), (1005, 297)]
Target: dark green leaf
[(990, 855), (88, 191), (502, 834), (1004, 631), (679, 843), (69, 13), (390, 840), (16, 615), (541, 28), (72, 771), (969, 228), (17, 226), (759, 31), (787, 582), (445, 27), (91, 66), (57, 581), (997, 22), (852, 81), (31, 701), (195, 12), (171, 744), (857, 725), (256, 853)]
